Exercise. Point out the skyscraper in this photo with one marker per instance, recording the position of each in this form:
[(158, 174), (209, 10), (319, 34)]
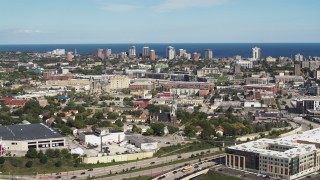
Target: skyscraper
[(99, 53), (145, 52), (297, 69), (195, 56), (182, 52), (256, 53), (132, 51), (69, 56), (171, 53), (208, 54), (152, 54), (298, 57)]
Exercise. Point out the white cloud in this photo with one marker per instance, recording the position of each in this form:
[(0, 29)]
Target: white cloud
[(28, 31), (119, 7), (168, 5)]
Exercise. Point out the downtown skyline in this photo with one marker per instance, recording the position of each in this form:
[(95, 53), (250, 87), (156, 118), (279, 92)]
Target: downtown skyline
[(161, 21)]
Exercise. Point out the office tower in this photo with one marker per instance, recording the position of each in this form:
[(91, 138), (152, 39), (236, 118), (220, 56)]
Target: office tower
[(145, 52), (298, 57), (237, 69), (256, 53), (208, 54), (107, 53), (171, 53), (69, 56), (297, 69), (99, 53), (237, 57), (195, 56), (132, 51), (182, 52), (152, 54)]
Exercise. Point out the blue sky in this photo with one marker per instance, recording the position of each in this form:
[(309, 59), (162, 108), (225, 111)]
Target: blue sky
[(157, 21)]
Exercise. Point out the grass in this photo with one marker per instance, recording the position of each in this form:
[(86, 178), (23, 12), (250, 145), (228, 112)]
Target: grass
[(165, 164), (140, 178), (179, 149), (16, 165), (215, 175)]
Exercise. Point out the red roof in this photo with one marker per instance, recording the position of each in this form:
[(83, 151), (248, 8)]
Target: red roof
[(10, 101)]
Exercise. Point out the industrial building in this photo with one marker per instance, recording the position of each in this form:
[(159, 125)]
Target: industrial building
[(21, 137), (288, 158)]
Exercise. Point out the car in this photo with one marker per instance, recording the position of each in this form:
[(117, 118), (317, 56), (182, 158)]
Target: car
[(179, 156), (132, 167), (196, 166), (83, 173), (58, 177), (168, 142), (308, 176), (199, 169), (174, 172), (152, 162), (74, 177), (90, 169)]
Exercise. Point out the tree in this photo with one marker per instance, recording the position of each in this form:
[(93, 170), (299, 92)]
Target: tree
[(190, 130), (29, 164), (158, 128), (58, 164), (150, 131), (32, 153), (2, 160), (40, 154), (136, 129), (113, 115), (119, 123), (173, 129), (43, 159)]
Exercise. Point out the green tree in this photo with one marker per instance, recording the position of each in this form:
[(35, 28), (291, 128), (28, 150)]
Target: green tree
[(29, 164), (119, 123), (2, 160), (150, 131), (58, 164), (43, 160), (32, 153), (158, 128), (190, 130), (173, 129)]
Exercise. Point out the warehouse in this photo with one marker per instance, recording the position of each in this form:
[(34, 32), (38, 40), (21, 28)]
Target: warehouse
[(21, 137), (144, 143)]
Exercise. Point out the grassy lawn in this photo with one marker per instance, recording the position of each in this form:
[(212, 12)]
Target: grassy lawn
[(215, 175), (179, 149), (141, 178), (222, 78), (16, 165)]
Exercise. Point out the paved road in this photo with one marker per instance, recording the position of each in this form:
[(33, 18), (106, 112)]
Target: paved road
[(119, 168)]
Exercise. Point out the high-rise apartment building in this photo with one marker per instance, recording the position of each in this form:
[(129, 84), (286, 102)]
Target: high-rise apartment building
[(182, 53), (171, 52), (298, 57), (152, 54), (195, 56), (208, 54), (132, 51), (99, 53), (145, 52), (297, 69), (256, 53), (69, 56)]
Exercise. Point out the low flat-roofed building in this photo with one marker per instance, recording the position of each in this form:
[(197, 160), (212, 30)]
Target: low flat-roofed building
[(144, 143), (22, 137)]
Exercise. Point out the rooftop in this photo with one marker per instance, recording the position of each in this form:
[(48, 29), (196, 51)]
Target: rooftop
[(21, 132)]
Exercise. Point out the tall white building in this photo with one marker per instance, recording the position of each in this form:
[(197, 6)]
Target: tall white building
[(132, 51), (171, 52), (256, 53), (182, 52), (145, 52), (59, 52), (208, 54), (245, 63), (298, 57)]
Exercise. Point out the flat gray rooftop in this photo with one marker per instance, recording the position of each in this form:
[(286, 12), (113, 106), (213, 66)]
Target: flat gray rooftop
[(22, 132)]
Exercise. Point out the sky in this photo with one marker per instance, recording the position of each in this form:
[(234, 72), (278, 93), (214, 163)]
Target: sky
[(158, 21)]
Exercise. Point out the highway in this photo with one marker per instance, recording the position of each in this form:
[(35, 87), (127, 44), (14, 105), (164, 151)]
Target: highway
[(119, 168)]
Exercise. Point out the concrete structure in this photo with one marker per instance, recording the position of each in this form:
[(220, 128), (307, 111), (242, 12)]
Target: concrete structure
[(142, 142), (298, 57), (256, 80), (117, 158), (145, 52), (152, 54), (22, 137), (288, 158), (208, 54), (195, 56), (132, 51), (69, 56), (256, 53), (59, 52), (171, 52), (245, 63), (297, 69), (207, 71), (104, 135), (286, 79), (308, 105)]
